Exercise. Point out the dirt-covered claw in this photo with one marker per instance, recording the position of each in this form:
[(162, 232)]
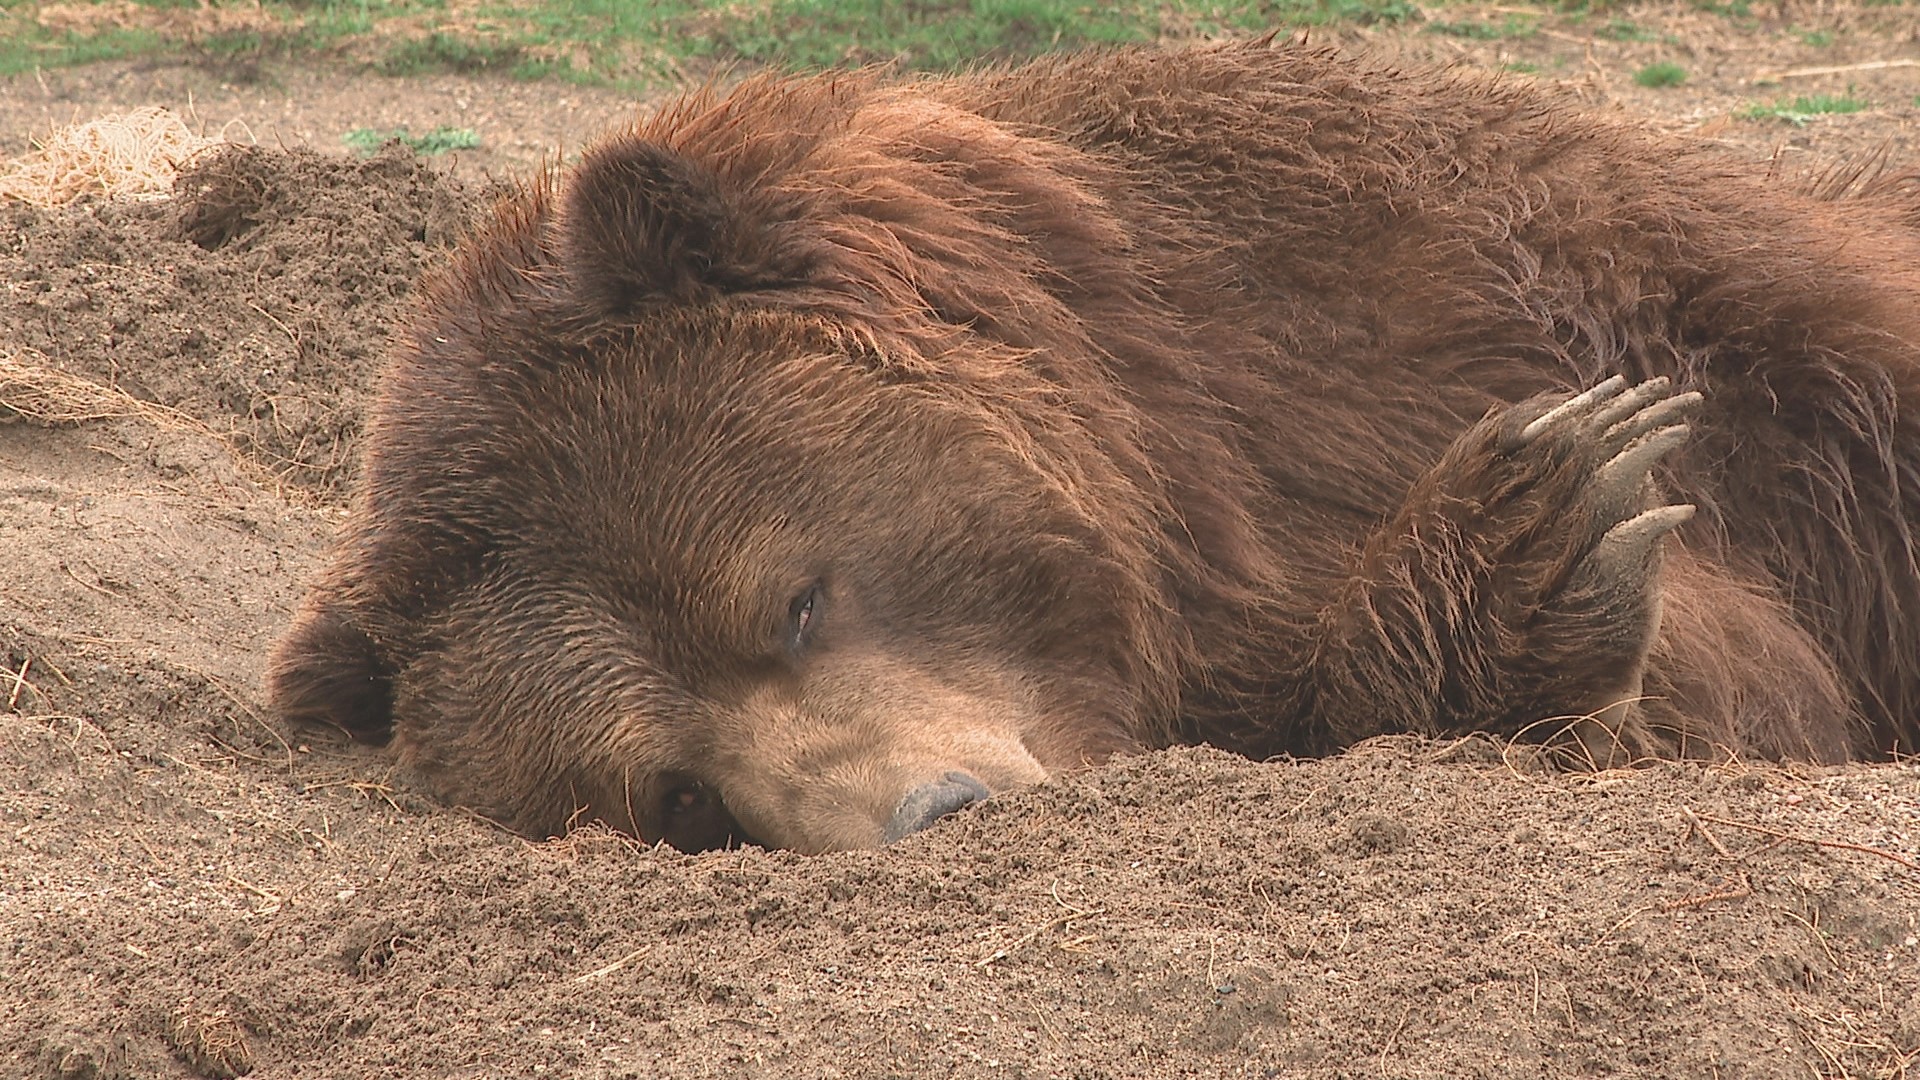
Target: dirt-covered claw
[(1623, 431), (1630, 403), (1664, 411), (1607, 417), (1574, 406), (1625, 548), (1620, 486)]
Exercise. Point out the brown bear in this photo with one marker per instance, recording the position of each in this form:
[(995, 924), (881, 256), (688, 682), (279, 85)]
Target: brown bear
[(822, 456)]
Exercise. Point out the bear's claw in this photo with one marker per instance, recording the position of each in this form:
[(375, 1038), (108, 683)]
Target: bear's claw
[(1578, 403), (1628, 544), (1627, 429), (1620, 484)]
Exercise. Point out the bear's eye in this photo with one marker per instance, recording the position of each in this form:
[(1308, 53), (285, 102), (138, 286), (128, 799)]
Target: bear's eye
[(802, 615)]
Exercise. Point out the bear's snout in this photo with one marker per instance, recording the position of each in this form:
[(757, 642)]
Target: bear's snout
[(929, 803)]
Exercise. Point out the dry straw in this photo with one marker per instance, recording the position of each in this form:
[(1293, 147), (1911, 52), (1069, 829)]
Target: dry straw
[(131, 156), (34, 390)]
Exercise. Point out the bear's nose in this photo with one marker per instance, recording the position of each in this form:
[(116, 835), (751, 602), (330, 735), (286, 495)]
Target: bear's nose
[(930, 802)]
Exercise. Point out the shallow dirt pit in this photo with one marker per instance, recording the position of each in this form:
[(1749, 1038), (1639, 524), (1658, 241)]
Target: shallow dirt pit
[(188, 889)]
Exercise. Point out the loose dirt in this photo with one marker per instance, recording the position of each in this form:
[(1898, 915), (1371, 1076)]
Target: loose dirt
[(189, 889)]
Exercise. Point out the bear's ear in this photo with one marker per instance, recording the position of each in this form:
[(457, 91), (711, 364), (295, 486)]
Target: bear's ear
[(328, 671), (642, 224)]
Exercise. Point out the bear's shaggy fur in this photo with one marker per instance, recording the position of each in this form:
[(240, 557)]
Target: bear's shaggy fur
[(842, 439)]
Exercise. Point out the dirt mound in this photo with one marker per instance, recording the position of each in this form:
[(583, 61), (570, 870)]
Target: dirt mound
[(188, 890), (1405, 910), (256, 300)]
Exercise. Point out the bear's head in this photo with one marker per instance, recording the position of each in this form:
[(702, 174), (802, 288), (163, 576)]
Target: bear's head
[(751, 484)]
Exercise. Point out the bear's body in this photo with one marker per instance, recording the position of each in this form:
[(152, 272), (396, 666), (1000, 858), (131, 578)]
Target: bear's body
[(819, 457)]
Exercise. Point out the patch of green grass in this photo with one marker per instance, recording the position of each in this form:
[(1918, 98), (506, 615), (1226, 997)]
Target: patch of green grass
[(636, 43), (619, 42), (1513, 26), (1476, 29), (1802, 110), (1323, 12), (1625, 30), (1819, 39), (945, 34), (1732, 9), (1662, 74), (1521, 67), (234, 44), (84, 33), (28, 47), (246, 46), (440, 140), (1364, 12), (825, 33), (438, 52)]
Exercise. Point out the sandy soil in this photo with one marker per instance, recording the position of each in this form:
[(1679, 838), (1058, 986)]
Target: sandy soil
[(189, 889)]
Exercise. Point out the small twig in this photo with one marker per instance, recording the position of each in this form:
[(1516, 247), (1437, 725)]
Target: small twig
[(1700, 827), (365, 788), (1302, 804), (1738, 892), (79, 723), (603, 972), (237, 752), (1054, 891), (284, 328), (48, 663), (274, 902), (89, 639), (1835, 1066), (86, 585), (19, 684), (1622, 924), (1393, 1039), (184, 763), (1816, 842), (1028, 937), (1840, 69), (254, 889), (1040, 1017), (1818, 938)]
